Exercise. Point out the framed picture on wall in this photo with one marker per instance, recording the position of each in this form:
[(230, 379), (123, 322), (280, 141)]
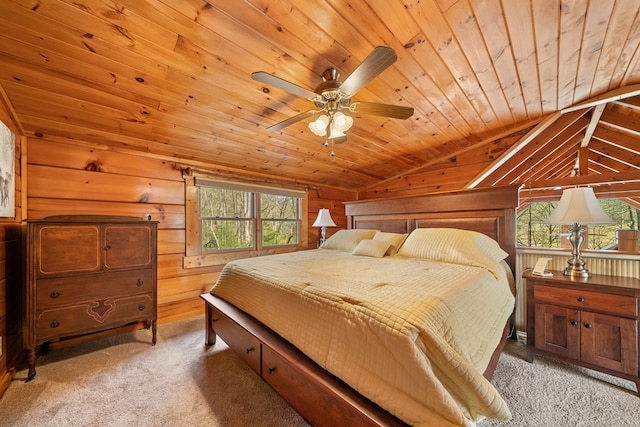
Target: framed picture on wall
[(7, 172)]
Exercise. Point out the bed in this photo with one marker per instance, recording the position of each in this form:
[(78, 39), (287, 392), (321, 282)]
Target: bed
[(363, 333)]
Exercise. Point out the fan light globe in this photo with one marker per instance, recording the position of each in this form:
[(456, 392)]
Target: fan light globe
[(342, 122), (319, 126)]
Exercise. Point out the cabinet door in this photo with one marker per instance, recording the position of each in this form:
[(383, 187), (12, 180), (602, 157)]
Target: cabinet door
[(557, 330), (127, 245), (610, 342), (67, 249)]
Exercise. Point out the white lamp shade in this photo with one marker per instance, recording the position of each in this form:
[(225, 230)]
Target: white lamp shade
[(324, 219), (319, 126), (578, 205), (341, 122)]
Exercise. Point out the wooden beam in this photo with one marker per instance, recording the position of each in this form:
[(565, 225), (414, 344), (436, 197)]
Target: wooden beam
[(614, 95), (613, 178), (530, 136), (595, 119)]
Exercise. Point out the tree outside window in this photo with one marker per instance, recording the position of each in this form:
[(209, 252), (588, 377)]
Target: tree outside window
[(533, 232), (231, 219)]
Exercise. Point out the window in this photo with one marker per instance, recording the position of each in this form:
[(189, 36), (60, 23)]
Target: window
[(227, 220), (532, 231)]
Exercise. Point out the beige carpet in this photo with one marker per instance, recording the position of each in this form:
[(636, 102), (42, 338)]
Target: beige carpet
[(124, 381)]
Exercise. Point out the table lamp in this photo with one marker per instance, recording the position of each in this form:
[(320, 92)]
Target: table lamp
[(324, 220), (578, 207)]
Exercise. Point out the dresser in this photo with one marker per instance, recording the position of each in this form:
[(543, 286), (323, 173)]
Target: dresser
[(87, 274), (592, 322)]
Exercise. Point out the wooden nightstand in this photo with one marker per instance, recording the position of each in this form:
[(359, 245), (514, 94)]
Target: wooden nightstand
[(592, 322)]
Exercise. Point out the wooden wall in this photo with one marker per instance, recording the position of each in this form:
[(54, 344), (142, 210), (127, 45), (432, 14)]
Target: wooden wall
[(451, 174), (68, 178), (11, 268)]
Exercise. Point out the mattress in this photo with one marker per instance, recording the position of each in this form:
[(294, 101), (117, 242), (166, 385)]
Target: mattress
[(412, 335)]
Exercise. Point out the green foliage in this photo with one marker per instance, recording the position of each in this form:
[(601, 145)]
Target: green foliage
[(532, 231), (228, 219), (279, 219)]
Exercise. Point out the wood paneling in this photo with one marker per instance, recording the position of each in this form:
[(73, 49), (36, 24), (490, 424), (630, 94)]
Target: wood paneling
[(90, 180), (171, 79)]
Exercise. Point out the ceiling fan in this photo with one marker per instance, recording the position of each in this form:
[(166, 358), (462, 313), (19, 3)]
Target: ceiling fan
[(331, 96)]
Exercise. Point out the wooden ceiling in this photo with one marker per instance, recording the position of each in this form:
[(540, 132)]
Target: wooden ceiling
[(172, 78)]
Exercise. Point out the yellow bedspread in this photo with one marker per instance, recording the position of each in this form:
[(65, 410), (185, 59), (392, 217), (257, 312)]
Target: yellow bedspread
[(412, 335)]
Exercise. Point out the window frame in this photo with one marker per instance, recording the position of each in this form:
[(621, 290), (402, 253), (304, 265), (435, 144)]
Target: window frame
[(195, 256)]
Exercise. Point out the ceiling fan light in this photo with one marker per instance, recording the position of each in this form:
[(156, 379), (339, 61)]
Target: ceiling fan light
[(341, 122), (319, 126), (335, 133)]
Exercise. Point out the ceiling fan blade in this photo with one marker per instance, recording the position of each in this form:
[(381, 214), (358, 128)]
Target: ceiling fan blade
[(378, 60), (385, 110), (271, 80), (291, 120)]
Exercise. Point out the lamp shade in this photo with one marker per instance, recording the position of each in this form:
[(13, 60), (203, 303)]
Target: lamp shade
[(324, 219), (319, 126), (578, 205)]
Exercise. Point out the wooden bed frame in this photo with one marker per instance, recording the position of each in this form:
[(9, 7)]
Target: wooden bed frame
[(319, 397)]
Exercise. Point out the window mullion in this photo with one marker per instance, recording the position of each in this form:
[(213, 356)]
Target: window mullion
[(257, 221)]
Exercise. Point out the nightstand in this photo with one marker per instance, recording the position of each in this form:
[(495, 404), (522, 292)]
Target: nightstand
[(591, 322)]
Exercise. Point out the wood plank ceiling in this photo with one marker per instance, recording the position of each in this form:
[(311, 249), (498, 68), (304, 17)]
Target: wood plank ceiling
[(172, 78)]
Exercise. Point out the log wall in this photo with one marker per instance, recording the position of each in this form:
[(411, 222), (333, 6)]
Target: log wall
[(11, 267), (77, 178)]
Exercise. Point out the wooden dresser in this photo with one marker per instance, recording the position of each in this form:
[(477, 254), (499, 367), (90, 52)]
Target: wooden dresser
[(592, 322), (88, 274)]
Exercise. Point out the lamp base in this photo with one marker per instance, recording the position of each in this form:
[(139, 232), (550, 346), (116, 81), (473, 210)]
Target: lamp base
[(576, 268), (574, 272), (576, 264)]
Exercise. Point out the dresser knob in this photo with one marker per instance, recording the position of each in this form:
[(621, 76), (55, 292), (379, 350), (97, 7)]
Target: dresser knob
[(140, 282), (55, 294), (580, 299), (249, 350), (573, 322), (54, 324), (141, 307), (106, 248), (587, 325), (271, 370)]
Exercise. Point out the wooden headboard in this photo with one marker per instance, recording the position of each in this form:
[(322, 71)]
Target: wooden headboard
[(491, 211)]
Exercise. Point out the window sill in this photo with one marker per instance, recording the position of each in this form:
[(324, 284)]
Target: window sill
[(219, 259)]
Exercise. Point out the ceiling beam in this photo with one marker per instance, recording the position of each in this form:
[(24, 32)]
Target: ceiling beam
[(595, 118), (614, 95)]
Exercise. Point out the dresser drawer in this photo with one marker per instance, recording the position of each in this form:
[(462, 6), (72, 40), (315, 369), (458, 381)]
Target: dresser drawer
[(239, 340), (598, 301), (90, 287), (92, 316)]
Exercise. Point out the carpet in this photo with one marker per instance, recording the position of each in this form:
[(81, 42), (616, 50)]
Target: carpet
[(124, 381)]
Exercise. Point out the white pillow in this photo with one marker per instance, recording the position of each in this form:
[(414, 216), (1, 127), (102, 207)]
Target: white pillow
[(373, 248), (347, 240), (395, 240), (455, 246)]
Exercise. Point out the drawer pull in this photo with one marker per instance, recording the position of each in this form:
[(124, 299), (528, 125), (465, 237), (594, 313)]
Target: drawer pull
[(215, 320), (587, 325), (249, 350), (55, 294), (271, 370), (580, 299), (141, 307), (573, 322), (140, 282), (106, 248), (54, 323)]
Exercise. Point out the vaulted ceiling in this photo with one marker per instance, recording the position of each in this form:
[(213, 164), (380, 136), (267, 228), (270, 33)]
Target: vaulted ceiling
[(172, 78)]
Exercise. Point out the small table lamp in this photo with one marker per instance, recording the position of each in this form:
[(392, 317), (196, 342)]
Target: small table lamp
[(578, 206), (324, 220)]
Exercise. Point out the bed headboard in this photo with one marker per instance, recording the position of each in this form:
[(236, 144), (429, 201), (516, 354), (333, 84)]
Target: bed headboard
[(491, 211)]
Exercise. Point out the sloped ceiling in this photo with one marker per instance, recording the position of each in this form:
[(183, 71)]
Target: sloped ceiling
[(171, 78)]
